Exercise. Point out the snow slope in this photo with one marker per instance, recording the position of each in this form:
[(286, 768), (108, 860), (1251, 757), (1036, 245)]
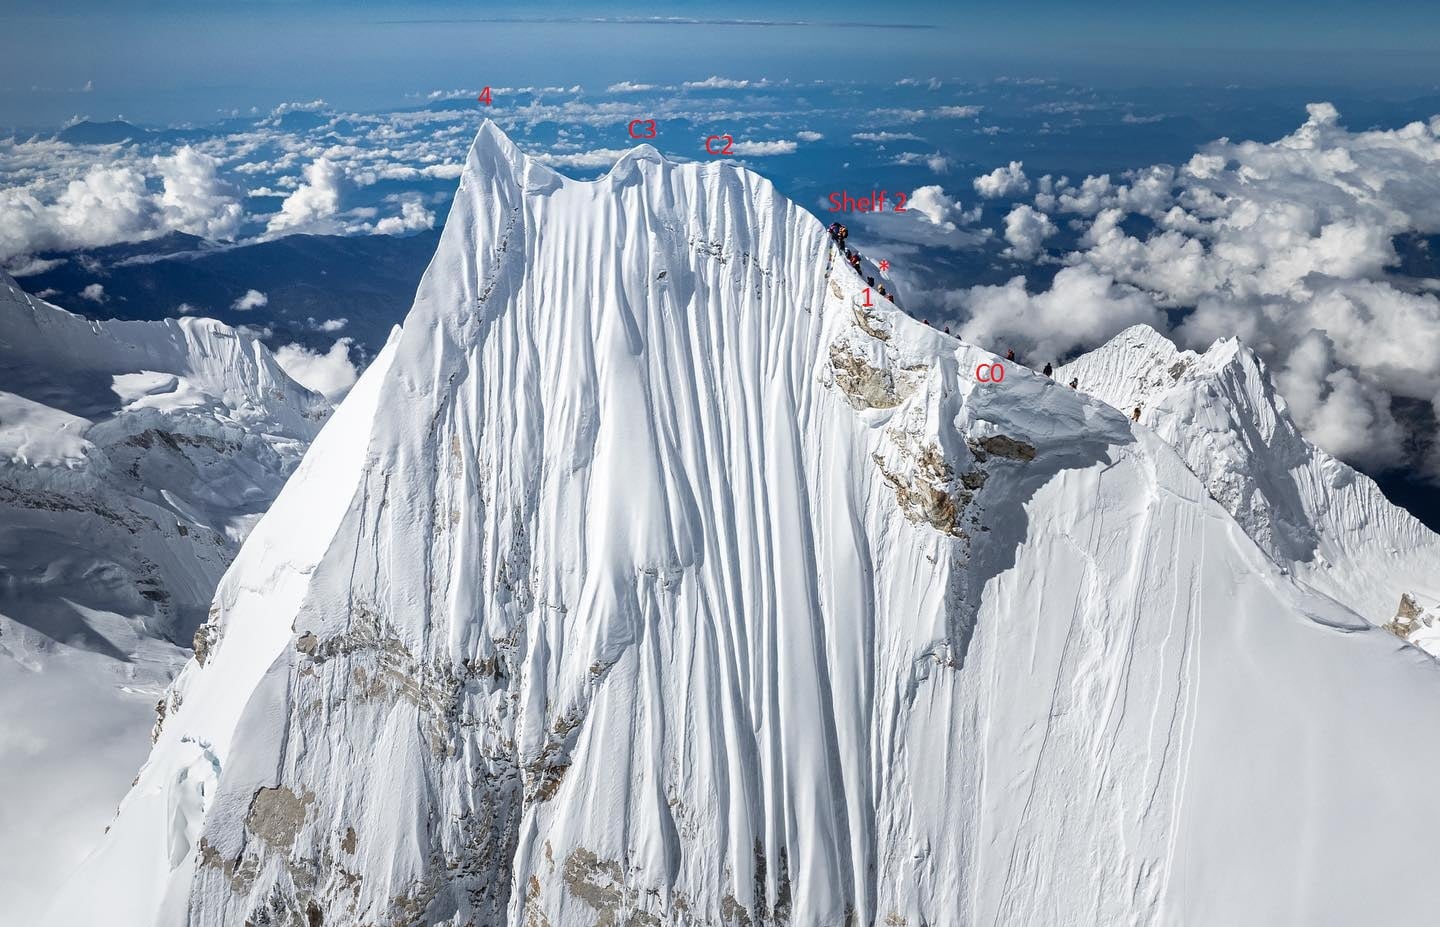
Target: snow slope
[(134, 457), (1320, 518), (649, 579)]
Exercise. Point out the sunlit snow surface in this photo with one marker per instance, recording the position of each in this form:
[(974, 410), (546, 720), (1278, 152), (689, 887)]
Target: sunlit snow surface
[(134, 456), (648, 578), (1311, 512)]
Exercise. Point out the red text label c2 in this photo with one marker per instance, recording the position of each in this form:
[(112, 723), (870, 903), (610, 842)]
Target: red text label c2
[(713, 146)]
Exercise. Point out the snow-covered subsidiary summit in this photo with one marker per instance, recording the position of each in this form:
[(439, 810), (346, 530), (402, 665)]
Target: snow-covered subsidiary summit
[(1310, 512), (648, 578), (134, 458)]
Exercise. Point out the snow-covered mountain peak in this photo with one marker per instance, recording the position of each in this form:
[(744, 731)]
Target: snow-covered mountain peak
[(134, 459), (1221, 411), (101, 369), (494, 155), (494, 158), (178, 433), (651, 576), (1140, 363)]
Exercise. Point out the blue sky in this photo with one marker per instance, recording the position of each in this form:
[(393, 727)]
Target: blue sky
[(173, 61)]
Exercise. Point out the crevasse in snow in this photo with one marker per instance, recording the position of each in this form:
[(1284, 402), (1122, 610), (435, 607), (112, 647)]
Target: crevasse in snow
[(650, 578)]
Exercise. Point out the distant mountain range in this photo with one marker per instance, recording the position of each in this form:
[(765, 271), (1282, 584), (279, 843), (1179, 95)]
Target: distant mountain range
[(86, 132), (367, 280)]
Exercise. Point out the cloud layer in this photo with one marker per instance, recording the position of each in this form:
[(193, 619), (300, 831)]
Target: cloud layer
[(108, 203), (331, 374), (1290, 244)]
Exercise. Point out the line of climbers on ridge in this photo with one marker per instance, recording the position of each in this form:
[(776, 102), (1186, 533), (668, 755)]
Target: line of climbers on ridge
[(839, 234), (1048, 370), (1074, 384)]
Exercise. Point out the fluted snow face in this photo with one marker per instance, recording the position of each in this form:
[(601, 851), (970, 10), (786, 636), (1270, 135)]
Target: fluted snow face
[(650, 578)]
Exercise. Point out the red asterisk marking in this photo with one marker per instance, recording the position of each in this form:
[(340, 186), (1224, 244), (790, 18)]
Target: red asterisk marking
[(884, 267)]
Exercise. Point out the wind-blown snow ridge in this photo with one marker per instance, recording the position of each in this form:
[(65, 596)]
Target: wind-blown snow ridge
[(657, 580), (1311, 512)]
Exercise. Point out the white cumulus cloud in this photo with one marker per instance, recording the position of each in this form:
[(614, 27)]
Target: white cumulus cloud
[(932, 204), (26, 267), (103, 206), (330, 374), (931, 217), (315, 201), (778, 147), (722, 83), (253, 299), (937, 162), (1003, 181), (886, 137), (195, 200), (1026, 229), (414, 217), (1290, 244), (1081, 308)]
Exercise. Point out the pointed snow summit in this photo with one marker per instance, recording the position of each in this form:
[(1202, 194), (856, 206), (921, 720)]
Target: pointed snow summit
[(1315, 515), (651, 577)]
